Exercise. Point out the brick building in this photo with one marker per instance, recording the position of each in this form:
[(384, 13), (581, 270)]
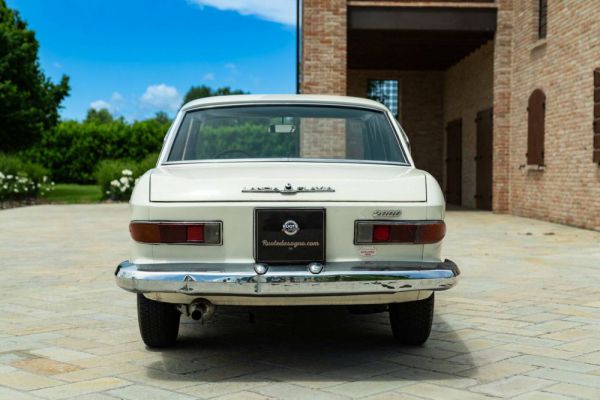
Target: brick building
[(500, 99)]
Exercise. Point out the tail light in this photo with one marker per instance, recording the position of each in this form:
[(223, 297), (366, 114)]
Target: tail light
[(390, 232), (176, 232)]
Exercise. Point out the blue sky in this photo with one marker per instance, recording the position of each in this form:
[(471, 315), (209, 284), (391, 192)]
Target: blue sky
[(137, 57)]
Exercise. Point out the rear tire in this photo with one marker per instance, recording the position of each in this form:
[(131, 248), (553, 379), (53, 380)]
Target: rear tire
[(159, 322), (411, 321)]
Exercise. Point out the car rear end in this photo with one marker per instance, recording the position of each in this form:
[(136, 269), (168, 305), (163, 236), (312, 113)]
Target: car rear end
[(286, 231)]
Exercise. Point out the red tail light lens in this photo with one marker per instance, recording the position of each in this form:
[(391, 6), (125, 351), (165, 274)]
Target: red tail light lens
[(380, 232), (176, 232)]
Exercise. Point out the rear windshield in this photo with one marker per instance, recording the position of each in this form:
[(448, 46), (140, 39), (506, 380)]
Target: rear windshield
[(286, 133)]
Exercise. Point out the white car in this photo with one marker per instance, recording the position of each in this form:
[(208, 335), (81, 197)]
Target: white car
[(286, 200)]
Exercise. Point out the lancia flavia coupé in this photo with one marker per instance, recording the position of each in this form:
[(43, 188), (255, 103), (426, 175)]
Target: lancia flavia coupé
[(285, 200)]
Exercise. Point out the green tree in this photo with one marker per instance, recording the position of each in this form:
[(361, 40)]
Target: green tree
[(101, 116), (199, 92), (162, 118), (29, 101)]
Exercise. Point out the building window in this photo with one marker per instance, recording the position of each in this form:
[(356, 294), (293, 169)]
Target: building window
[(385, 92), (536, 128), (542, 18), (597, 115)]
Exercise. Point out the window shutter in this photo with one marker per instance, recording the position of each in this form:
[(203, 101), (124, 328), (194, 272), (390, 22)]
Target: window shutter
[(542, 18), (597, 115), (536, 128)]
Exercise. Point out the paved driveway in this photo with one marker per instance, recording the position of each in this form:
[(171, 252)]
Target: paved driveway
[(523, 323)]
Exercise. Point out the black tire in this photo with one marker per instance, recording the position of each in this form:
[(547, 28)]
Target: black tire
[(411, 321), (159, 322)]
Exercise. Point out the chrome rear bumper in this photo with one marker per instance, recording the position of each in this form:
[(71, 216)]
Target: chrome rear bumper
[(338, 278)]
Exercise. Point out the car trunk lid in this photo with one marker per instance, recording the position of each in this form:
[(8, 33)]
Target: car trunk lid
[(287, 181)]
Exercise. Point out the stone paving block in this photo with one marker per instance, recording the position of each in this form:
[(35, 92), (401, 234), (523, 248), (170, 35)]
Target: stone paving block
[(512, 386), (541, 396), (567, 377), (61, 354), (549, 362), (572, 390), (360, 389), (244, 396), (80, 388), (44, 366), (482, 357), (362, 371), (591, 358), (435, 392), (23, 380), (496, 371), (11, 394), (143, 392), (222, 388), (294, 392)]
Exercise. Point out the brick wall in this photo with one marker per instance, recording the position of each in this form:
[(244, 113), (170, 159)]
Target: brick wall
[(324, 46), (421, 111), (468, 89), (568, 190), (323, 138)]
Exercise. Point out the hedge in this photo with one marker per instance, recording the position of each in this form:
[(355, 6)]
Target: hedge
[(73, 150)]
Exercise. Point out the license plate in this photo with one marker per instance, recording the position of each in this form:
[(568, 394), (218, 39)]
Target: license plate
[(289, 236)]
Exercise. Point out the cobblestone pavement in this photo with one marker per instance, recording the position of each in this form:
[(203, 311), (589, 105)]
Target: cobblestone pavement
[(523, 323)]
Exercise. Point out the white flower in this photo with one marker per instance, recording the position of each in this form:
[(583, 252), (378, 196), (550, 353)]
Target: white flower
[(5, 186), (124, 180), (52, 183), (1, 175), (127, 172), (45, 178), (9, 176), (108, 192), (136, 181), (16, 190), (114, 183)]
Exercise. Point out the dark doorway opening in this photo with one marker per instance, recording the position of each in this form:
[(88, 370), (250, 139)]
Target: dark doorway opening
[(454, 162), (484, 159)]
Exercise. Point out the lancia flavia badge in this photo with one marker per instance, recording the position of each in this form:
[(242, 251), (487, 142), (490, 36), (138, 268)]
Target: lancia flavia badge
[(290, 227), (288, 188)]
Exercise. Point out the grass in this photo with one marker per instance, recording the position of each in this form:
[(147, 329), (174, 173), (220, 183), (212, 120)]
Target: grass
[(71, 193)]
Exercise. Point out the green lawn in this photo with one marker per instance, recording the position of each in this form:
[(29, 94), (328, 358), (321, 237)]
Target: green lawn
[(71, 193)]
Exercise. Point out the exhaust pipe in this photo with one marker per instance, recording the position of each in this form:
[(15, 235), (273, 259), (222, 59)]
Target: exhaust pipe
[(201, 310)]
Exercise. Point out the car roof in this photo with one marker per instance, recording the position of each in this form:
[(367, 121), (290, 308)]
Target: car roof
[(283, 99)]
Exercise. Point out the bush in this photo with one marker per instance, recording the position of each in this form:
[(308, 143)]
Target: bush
[(117, 178), (22, 179), (73, 150)]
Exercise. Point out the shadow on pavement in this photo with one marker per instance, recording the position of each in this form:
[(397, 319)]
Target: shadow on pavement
[(308, 343)]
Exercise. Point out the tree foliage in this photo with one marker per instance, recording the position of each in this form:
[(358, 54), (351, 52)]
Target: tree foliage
[(199, 92), (102, 116), (29, 101), (73, 150)]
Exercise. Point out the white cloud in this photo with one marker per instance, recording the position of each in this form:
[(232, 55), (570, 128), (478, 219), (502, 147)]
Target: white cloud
[(161, 97), (116, 97), (99, 105), (209, 77), (280, 11)]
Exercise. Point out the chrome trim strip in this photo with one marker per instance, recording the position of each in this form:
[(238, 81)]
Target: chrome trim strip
[(339, 278)]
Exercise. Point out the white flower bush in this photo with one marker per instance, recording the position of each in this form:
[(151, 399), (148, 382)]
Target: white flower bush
[(16, 187), (121, 187)]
